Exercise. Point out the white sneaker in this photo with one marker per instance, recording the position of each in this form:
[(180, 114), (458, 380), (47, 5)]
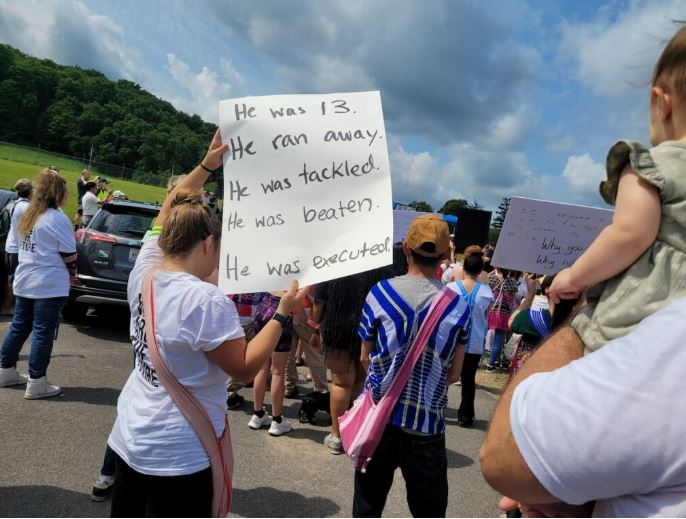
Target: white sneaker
[(277, 429), (11, 377), (257, 423), (102, 488), (39, 388), (334, 444)]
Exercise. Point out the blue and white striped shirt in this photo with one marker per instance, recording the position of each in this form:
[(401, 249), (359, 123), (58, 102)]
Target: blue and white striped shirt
[(391, 316)]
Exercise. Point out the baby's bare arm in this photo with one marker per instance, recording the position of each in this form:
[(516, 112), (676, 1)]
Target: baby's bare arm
[(634, 228)]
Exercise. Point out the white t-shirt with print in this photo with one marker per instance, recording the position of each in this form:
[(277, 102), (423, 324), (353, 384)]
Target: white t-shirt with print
[(12, 243), (478, 321), (192, 317), (89, 202), (610, 427), (41, 272)]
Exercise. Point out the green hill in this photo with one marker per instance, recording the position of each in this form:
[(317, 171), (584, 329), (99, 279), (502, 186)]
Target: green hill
[(67, 109)]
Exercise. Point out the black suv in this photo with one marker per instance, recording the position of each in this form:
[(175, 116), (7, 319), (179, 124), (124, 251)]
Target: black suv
[(108, 247)]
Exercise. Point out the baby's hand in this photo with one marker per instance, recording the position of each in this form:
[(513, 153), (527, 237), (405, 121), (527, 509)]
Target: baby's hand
[(562, 287)]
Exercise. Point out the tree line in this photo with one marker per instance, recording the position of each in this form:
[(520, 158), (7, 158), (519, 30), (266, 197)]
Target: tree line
[(67, 109)]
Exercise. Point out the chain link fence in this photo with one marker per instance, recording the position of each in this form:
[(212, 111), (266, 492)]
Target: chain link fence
[(43, 158)]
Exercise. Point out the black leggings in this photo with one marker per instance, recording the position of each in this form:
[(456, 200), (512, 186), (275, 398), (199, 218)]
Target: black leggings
[(137, 495), (468, 377)]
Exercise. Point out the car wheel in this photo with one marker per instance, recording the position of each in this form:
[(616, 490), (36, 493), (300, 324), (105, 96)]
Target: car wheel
[(75, 311)]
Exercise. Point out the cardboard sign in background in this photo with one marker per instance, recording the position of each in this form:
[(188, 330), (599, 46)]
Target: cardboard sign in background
[(545, 237), (307, 190)]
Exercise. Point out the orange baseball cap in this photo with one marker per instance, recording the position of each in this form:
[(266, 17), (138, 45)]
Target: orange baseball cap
[(428, 236)]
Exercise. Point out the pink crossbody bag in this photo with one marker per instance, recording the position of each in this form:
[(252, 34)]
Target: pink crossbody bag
[(219, 450), (363, 425)]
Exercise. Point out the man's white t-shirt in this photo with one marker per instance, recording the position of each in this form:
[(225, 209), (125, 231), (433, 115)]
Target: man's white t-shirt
[(610, 427), (192, 317), (41, 272), (12, 243), (89, 202)]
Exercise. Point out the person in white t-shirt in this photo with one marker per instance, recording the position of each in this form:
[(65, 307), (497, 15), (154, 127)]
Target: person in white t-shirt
[(599, 434), (23, 187), (162, 469), (480, 298), (90, 202), (47, 252)]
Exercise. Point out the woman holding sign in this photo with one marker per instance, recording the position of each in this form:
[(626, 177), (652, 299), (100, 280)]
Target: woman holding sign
[(171, 436)]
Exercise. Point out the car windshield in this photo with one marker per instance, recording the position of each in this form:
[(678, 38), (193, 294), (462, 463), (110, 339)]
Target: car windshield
[(124, 221)]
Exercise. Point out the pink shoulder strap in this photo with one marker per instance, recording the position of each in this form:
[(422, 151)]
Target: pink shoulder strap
[(220, 461)]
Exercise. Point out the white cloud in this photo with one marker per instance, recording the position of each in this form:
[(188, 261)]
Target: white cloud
[(583, 174), (230, 71), (68, 32), (512, 129), (203, 89), (446, 71), (614, 54), (471, 173)]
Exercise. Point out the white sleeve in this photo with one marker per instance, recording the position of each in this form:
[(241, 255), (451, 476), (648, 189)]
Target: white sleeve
[(611, 423), (149, 256), (210, 324), (66, 242)]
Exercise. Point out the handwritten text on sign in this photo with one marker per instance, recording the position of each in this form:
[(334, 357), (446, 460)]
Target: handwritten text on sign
[(307, 191), (545, 237)]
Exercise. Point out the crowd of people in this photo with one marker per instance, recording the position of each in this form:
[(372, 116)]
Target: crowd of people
[(584, 425), (91, 195)]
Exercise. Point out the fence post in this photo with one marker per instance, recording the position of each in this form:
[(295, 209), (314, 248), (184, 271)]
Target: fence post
[(123, 174)]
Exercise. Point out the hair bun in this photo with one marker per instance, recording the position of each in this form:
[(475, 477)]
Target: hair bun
[(187, 196), (474, 250)]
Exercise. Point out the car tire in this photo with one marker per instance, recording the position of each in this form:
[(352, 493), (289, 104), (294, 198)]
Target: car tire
[(75, 311)]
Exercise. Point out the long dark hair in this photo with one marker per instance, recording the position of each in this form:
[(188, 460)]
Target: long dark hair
[(344, 310)]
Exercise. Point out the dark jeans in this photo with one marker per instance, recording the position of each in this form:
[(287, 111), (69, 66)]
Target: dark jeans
[(109, 462), (498, 343), (468, 378), (40, 316), (137, 495), (424, 465)]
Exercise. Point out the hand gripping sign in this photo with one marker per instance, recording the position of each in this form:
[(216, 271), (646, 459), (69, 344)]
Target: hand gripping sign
[(307, 190)]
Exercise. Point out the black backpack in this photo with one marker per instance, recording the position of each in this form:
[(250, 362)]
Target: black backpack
[(8, 201)]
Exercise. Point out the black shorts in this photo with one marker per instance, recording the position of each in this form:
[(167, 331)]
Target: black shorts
[(263, 314), (11, 260)]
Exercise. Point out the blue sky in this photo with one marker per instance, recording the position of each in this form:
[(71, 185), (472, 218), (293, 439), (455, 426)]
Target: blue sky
[(481, 99)]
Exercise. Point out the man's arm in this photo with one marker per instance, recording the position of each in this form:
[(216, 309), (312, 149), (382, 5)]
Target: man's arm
[(502, 464)]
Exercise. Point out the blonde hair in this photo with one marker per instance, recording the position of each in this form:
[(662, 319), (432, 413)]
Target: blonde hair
[(189, 221), (49, 190)]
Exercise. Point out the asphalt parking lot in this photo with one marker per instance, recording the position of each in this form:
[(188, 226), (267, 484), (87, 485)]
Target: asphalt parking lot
[(51, 450)]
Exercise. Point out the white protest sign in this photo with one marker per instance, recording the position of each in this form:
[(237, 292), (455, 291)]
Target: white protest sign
[(402, 218), (545, 237), (307, 190)]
